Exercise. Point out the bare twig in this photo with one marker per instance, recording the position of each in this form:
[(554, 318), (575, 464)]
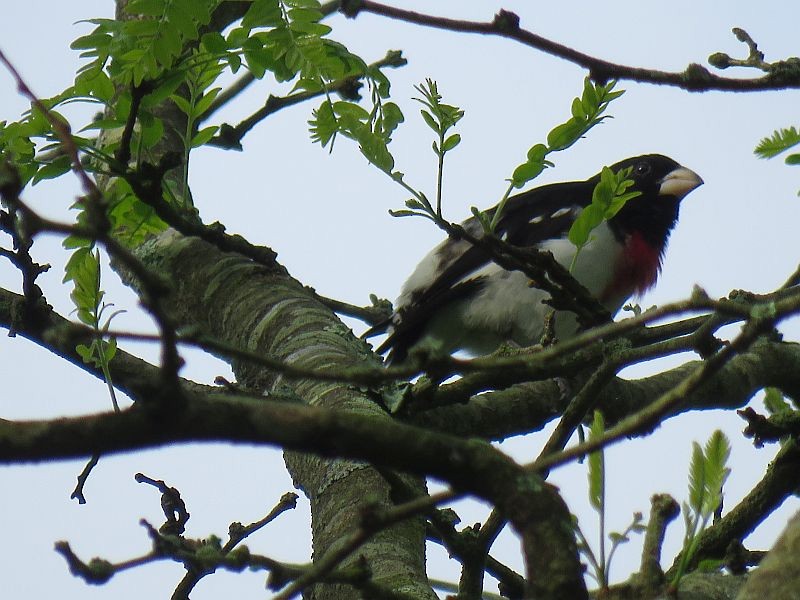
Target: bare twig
[(237, 532), (371, 523), (649, 416), (694, 78), (77, 493), (171, 503), (663, 510)]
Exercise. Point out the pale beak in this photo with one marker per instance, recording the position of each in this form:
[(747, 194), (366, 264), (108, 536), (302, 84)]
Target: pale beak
[(679, 182)]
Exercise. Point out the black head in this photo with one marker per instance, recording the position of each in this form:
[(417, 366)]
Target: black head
[(663, 183)]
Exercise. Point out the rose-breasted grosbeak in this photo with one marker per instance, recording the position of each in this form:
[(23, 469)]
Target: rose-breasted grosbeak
[(458, 298)]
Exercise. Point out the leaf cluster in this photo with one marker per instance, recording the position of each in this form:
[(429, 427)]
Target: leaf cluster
[(608, 197), (708, 472), (587, 111), (599, 562), (780, 141), (441, 118), (372, 129), (164, 50), (83, 270)]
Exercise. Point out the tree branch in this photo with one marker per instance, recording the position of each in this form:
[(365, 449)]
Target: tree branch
[(534, 508), (695, 78), (528, 407)]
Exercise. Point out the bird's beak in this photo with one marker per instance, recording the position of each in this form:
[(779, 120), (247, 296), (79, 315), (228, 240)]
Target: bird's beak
[(679, 182)]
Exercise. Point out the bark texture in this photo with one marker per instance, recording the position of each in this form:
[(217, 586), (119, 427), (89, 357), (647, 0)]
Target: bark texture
[(266, 311)]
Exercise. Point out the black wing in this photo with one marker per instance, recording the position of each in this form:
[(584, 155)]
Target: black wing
[(528, 219)]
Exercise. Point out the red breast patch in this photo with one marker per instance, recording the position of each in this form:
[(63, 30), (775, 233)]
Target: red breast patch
[(636, 270)]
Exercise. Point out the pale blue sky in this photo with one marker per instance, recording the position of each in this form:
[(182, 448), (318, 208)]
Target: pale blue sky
[(326, 216)]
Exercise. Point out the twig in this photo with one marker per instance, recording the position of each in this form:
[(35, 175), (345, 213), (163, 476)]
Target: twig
[(77, 493), (512, 584), (663, 510), (793, 280), (578, 408), (694, 78), (379, 312), (650, 416), (237, 532), (371, 523), (171, 503), (98, 229)]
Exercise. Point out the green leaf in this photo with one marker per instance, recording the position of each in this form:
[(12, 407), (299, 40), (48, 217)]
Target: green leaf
[(214, 42), (323, 125), (526, 172), (537, 153), (52, 170), (581, 229), (185, 24), (150, 8), (110, 349), (205, 102), (597, 464), (780, 141), (350, 109), (717, 453), (183, 104), (95, 39), (697, 479), (608, 198), (775, 403), (106, 124), (428, 118), (71, 242), (85, 352), (563, 136), (392, 117), (374, 148), (304, 15), (451, 142), (578, 111), (204, 135)]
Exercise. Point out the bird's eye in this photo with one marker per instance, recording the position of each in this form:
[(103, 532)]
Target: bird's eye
[(642, 169)]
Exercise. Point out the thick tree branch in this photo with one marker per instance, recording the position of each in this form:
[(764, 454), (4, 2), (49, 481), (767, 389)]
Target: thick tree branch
[(528, 407), (778, 575), (137, 378), (469, 466)]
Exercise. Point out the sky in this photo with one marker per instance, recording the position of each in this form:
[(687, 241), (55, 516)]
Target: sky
[(326, 214)]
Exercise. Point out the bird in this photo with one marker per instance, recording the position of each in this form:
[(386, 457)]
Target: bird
[(458, 298)]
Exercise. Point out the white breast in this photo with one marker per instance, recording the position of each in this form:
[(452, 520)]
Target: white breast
[(508, 308)]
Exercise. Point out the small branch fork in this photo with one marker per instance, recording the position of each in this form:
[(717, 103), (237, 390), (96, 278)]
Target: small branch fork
[(696, 78), (200, 557)]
